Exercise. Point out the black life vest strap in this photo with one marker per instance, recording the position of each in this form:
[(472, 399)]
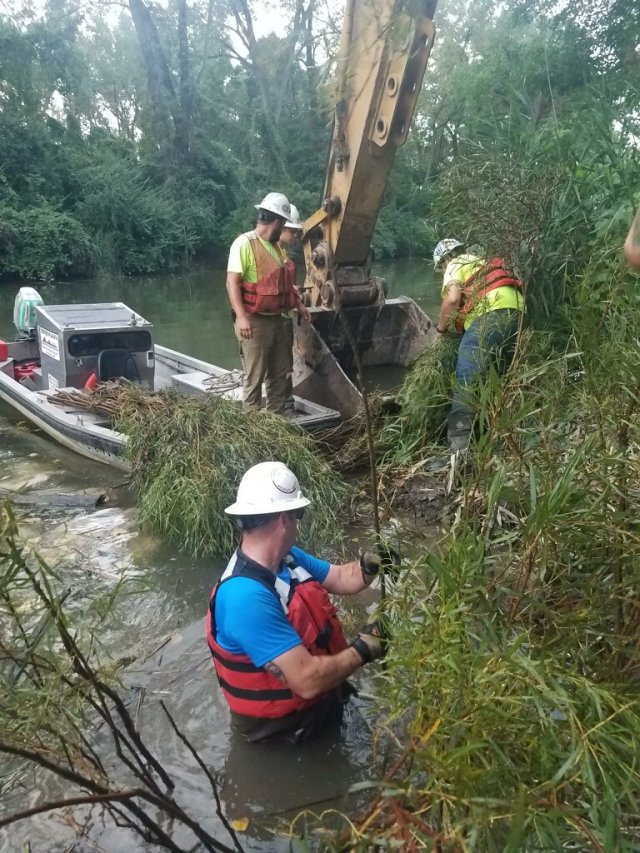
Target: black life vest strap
[(236, 666), (255, 695)]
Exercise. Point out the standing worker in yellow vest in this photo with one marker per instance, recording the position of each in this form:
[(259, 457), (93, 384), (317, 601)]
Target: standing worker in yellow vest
[(482, 300), (261, 288)]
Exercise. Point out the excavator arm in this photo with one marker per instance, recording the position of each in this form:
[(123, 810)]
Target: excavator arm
[(383, 55)]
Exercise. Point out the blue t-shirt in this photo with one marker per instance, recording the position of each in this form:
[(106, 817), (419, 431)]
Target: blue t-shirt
[(250, 619)]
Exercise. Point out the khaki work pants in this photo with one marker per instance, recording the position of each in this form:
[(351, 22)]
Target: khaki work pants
[(266, 358)]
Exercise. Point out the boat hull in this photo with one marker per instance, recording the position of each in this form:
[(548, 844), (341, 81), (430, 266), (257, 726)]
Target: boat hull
[(68, 429), (91, 435)]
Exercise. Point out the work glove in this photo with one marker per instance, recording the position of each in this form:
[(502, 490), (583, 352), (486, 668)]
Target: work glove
[(370, 564), (371, 642), (372, 561)]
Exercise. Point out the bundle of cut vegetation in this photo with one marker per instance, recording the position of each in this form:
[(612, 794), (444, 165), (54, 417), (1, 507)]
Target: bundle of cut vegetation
[(113, 399), (425, 400), (345, 444), (187, 457)]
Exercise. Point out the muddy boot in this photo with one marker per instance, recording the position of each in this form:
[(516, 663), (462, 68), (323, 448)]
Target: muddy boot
[(459, 430), (458, 443)]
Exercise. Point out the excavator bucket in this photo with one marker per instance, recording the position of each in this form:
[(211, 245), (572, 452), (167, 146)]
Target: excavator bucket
[(394, 333)]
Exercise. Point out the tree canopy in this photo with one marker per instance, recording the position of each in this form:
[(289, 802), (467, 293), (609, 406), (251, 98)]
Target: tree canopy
[(136, 137)]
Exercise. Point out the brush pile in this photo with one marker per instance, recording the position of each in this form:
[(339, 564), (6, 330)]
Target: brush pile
[(345, 444), (424, 399), (187, 456)]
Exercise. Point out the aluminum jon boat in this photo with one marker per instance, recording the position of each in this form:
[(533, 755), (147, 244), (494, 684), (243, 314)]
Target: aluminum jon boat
[(74, 347)]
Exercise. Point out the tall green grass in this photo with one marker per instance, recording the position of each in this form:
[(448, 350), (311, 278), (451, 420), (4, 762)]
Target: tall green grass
[(188, 460), (424, 400), (511, 681)]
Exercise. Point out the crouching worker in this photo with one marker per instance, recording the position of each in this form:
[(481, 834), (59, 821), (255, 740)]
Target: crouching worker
[(278, 647), (482, 299)]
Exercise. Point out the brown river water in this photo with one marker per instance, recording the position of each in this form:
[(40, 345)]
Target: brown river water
[(159, 625)]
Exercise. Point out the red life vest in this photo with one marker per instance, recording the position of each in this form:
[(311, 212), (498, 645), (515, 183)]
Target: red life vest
[(251, 690), (274, 291), (491, 275)]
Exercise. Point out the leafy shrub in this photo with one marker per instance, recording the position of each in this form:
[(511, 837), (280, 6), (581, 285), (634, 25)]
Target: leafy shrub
[(136, 224), (43, 243)]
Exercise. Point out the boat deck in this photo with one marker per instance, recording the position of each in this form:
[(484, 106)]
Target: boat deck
[(92, 433)]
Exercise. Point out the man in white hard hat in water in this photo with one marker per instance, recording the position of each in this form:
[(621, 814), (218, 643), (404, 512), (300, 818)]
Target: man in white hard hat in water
[(261, 288), (277, 644), (481, 300)]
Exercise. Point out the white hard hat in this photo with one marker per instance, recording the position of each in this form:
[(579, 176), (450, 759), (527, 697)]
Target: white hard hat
[(444, 248), (275, 203), (294, 220), (268, 487)]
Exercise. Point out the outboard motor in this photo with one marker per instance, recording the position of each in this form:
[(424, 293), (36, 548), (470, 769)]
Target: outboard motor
[(24, 313)]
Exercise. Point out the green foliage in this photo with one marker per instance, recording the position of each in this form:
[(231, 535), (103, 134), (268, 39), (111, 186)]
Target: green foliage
[(548, 207), (515, 640), (425, 400), (136, 224), (188, 462), (43, 243), (516, 746), (157, 140)]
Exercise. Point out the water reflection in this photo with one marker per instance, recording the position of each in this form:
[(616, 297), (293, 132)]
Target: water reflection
[(190, 311), (316, 774)]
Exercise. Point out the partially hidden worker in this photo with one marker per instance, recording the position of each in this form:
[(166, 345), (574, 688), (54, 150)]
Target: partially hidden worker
[(483, 301), (262, 289), (278, 647), (289, 240), (632, 243)]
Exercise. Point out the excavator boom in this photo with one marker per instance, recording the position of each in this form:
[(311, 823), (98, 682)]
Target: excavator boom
[(383, 55)]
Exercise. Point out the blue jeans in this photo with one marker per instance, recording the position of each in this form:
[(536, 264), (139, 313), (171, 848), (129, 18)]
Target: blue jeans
[(488, 342)]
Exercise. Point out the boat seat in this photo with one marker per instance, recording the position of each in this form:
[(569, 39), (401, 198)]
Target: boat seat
[(117, 363)]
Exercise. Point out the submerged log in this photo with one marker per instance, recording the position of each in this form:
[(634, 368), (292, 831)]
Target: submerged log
[(49, 500)]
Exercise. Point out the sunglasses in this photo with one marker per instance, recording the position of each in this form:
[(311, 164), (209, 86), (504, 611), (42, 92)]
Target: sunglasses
[(300, 513)]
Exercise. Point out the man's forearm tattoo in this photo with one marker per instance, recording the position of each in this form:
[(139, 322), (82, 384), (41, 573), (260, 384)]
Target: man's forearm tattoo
[(275, 670)]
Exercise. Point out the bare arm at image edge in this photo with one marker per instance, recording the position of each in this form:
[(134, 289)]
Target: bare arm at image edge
[(632, 243)]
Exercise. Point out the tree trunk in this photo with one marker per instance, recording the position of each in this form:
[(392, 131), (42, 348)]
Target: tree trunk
[(163, 104), (182, 118)]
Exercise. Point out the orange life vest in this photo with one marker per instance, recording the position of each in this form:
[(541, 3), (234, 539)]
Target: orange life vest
[(274, 291), (251, 690), (491, 275)]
